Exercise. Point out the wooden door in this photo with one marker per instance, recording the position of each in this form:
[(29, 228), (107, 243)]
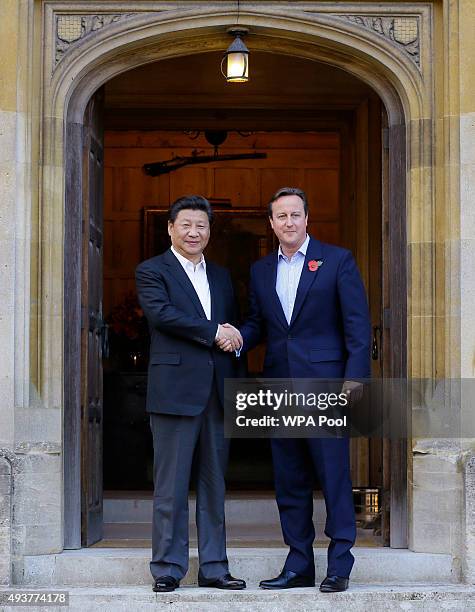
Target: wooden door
[(361, 232), (92, 325), (394, 328)]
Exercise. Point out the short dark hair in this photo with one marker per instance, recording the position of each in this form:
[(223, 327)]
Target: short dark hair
[(190, 202), (286, 191)]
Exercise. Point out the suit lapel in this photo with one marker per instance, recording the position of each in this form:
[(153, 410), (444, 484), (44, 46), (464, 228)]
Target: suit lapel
[(307, 278), (272, 293), (181, 277)]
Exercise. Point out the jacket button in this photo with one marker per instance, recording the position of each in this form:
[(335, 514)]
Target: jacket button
[(210, 362)]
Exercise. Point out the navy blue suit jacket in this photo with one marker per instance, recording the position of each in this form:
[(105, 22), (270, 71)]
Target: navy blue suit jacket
[(329, 334), (183, 355)]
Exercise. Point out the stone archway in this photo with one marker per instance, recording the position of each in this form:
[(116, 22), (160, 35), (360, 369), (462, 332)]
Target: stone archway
[(107, 46)]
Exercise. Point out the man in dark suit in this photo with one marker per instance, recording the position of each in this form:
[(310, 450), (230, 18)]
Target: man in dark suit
[(185, 298), (308, 301)]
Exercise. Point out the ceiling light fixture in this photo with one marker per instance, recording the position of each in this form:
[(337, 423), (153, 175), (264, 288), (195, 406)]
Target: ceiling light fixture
[(236, 57)]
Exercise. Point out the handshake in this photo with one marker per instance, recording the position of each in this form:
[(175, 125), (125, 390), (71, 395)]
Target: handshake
[(228, 338)]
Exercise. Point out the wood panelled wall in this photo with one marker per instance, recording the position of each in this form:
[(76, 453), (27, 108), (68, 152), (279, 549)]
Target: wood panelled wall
[(309, 160)]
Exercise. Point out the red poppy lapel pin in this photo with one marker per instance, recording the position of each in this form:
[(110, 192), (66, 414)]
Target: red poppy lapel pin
[(313, 264)]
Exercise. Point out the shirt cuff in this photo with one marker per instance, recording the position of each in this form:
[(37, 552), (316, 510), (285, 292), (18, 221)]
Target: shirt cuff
[(217, 332)]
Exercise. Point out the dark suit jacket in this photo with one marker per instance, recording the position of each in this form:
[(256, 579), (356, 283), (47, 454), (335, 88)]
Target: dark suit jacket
[(183, 355), (329, 334)]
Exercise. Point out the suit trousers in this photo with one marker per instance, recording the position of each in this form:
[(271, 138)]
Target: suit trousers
[(182, 444), (296, 463)]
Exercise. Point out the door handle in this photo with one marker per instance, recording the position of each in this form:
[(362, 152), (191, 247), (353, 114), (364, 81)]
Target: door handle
[(103, 330), (375, 345), (105, 340)]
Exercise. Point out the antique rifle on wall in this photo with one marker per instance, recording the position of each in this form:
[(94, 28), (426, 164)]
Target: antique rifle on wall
[(169, 165), (215, 138)]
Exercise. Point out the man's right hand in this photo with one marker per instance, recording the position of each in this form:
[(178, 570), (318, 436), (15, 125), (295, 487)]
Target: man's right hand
[(228, 338)]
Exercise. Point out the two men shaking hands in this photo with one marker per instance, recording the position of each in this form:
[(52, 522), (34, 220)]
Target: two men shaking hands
[(307, 301)]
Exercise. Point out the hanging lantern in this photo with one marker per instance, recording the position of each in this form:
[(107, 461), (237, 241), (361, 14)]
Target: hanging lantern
[(236, 58)]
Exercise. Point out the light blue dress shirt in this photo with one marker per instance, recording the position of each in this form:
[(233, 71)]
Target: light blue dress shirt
[(288, 277)]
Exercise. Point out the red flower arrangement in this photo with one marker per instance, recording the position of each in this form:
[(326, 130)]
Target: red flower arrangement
[(127, 318)]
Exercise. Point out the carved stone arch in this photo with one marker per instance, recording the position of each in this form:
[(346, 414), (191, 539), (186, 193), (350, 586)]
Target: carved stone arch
[(403, 85), (145, 38), (148, 37)]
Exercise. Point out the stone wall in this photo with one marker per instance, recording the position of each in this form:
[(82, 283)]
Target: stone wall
[(6, 505), (437, 500), (468, 559), (30, 509), (37, 527)]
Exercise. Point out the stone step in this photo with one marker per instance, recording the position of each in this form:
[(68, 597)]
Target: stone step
[(192, 599), (130, 566)]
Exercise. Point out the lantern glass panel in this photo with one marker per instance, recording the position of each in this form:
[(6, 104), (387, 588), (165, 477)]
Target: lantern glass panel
[(237, 67)]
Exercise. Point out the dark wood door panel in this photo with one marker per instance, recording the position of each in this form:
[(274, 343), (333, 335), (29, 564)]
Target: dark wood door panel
[(92, 328)]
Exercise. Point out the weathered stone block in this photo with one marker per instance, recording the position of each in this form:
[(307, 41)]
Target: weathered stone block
[(5, 484), (36, 424), (435, 463), (37, 498), (5, 470), (5, 504), (5, 570), (5, 521), (446, 509), (43, 539), (456, 542), (467, 187), (39, 463), (467, 138), (18, 539), (431, 537), (433, 481), (468, 557)]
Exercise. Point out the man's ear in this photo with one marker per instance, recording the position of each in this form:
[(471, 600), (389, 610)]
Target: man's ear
[(271, 222), (170, 225)]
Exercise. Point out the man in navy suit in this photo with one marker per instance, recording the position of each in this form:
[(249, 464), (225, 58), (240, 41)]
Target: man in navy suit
[(185, 300), (308, 302)]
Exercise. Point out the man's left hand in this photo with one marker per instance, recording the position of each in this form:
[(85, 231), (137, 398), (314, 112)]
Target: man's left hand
[(353, 390)]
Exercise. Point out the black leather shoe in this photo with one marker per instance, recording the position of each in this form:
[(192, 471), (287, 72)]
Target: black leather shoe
[(333, 584), (165, 584), (223, 582), (287, 580)]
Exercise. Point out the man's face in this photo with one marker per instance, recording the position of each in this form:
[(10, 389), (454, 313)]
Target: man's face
[(289, 221), (190, 233)]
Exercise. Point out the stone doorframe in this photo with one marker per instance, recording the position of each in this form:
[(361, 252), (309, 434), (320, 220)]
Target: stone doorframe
[(87, 44)]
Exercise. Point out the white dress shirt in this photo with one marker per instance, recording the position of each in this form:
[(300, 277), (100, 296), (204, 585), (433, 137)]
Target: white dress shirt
[(198, 278), (289, 271)]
